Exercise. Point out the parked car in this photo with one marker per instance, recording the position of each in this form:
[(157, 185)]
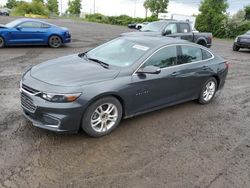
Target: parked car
[(175, 29), (122, 78), (242, 41), (141, 25), (33, 32), (4, 11), (132, 25)]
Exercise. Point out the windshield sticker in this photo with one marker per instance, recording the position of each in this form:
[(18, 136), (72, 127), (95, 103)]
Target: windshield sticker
[(139, 47)]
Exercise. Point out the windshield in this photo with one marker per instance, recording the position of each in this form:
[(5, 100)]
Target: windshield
[(13, 23), (118, 52), (154, 26)]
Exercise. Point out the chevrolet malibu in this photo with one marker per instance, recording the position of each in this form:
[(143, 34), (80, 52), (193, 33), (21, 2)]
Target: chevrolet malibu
[(122, 78)]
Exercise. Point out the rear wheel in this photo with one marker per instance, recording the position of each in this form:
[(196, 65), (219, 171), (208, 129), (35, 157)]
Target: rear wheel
[(236, 48), (203, 43), (208, 91), (55, 41), (102, 117), (2, 42)]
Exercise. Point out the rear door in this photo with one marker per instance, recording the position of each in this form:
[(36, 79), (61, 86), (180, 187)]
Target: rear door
[(185, 30), (193, 70)]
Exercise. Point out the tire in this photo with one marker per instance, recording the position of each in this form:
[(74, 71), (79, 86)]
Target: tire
[(94, 118), (202, 43), (139, 27), (236, 48), (208, 91), (55, 41), (2, 42)]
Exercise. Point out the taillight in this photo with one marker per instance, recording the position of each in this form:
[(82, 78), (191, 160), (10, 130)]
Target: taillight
[(227, 65)]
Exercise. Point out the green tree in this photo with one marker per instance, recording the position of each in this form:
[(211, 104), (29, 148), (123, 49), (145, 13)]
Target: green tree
[(38, 1), (247, 12), (11, 4), (212, 17), (156, 6), (74, 7), (53, 6)]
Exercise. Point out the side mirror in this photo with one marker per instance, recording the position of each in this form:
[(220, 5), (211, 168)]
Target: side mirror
[(18, 28), (149, 70), (167, 32)]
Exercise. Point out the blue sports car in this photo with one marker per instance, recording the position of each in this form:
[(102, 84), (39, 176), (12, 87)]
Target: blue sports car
[(33, 32)]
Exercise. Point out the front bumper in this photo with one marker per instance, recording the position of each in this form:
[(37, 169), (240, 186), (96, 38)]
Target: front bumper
[(67, 39), (57, 117), (242, 44)]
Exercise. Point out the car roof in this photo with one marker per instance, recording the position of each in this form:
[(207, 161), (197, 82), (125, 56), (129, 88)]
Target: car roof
[(33, 20), (155, 41)]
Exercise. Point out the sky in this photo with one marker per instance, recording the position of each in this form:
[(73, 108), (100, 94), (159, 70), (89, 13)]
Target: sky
[(135, 7)]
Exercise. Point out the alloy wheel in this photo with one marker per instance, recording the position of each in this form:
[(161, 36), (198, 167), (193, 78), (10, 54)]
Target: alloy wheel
[(55, 42), (209, 91), (104, 117)]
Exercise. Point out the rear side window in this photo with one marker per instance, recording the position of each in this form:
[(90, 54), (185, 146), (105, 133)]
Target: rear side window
[(165, 57), (206, 54), (189, 54), (184, 28)]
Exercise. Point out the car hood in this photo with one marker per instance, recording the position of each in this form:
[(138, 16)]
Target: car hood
[(71, 71), (244, 36), (142, 33)]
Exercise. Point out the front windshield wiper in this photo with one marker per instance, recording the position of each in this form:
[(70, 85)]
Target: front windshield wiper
[(85, 55), (105, 65)]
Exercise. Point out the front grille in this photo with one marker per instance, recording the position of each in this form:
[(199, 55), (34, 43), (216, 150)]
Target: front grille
[(27, 103), (245, 40), (29, 89)]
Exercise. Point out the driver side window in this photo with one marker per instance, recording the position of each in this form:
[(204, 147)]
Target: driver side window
[(165, 57), (172, 28)]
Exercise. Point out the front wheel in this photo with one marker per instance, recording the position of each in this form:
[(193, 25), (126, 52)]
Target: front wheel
[(55, 41), (208, 91), (236, 48), (2, 43), (102, 117)]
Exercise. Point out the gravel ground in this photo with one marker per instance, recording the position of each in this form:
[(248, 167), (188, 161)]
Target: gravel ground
[(188, 145)]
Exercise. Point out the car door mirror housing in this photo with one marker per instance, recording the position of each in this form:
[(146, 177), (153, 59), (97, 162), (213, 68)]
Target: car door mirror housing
[(167, 32), (149, 70), (18, 27)]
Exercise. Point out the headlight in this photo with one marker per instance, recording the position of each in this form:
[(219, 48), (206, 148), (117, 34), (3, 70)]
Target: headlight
[(236, 39), (60, 98)]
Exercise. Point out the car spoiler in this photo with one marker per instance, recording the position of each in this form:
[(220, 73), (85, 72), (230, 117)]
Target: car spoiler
[(2, 26)]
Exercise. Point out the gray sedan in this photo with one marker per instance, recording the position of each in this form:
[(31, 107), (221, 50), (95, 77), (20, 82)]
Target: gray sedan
[(122, 78)]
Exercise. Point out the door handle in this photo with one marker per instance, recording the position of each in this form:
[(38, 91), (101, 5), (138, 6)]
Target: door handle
[(174, 74), (205, 67)]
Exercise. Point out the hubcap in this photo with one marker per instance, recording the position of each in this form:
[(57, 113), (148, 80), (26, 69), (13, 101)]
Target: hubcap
[(55, 41), (209, 91), (104, 117)]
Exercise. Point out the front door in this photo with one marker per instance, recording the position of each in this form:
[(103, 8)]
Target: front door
[(153, 90)]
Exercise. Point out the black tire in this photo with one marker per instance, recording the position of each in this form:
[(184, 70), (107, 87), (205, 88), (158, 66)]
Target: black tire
[(236, 48), (90, 113), (55, 41), (139, 27), (202, 97), (202, 43), (2, 42)]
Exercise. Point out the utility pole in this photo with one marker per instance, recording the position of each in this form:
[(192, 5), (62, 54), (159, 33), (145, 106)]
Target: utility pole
[(94, 7), (61, 6), (135, 8)]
